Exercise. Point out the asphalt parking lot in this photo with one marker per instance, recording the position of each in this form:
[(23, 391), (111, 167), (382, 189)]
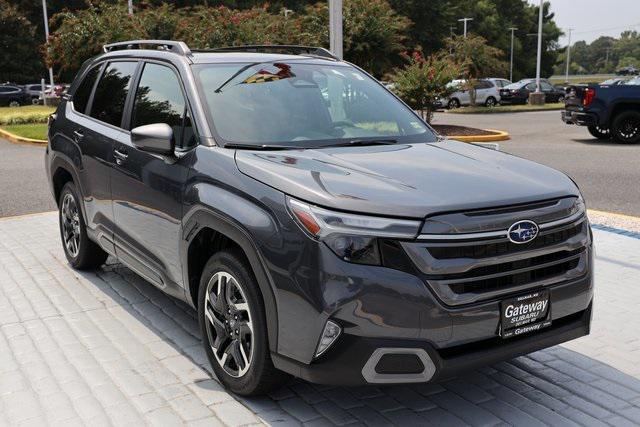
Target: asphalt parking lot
[(607, 173)]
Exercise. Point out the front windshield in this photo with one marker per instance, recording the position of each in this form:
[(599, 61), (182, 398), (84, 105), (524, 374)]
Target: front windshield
[(303, 105)]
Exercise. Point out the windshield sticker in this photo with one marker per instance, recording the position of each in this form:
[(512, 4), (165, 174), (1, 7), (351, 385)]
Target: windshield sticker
[(264, 76)]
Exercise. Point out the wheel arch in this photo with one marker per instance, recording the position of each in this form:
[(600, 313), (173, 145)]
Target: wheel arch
[(622, 106), (207, 232), (62, 172)]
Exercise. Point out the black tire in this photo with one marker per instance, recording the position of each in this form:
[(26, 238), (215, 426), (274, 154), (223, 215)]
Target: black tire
[(14, 103), (453, 103), (600, 132), (560, 99), (491, 102), (87, 254), (261, 376), (626, 127)]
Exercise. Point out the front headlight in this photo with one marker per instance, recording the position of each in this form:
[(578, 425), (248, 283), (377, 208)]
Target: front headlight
[(351, 237)]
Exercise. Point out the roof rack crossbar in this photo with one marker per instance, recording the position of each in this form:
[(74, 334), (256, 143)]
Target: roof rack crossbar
[(180, 48), (292, 49)]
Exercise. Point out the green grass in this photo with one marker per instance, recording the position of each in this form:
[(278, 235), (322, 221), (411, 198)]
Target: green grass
[(32, 130), (586, 78), (507, 109), (26, 114)]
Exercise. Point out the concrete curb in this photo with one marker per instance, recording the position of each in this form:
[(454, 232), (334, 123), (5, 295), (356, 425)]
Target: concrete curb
[(524, 110), (498, 135), (20, 139)]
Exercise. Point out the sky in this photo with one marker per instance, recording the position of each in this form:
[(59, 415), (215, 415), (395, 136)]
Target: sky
[(591, 19)]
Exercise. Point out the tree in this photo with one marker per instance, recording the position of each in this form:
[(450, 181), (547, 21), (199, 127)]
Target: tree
[(81, 34), (479, 59), (19, 57), (374, 34), (425, 80)]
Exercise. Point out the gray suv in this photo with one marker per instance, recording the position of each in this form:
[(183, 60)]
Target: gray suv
[(320, 228)]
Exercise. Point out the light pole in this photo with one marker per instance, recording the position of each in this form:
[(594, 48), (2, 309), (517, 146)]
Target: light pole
[(335, 27), (464, 20), (130, 4), (513, 29), (46, 37), (451, 28), (539, 56), (566, 74)]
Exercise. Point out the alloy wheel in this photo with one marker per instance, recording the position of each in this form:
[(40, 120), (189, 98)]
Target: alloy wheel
[(70, 225), (629, 128), (228, 324)]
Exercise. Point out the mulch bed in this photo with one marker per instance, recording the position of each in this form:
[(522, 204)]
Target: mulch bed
[(448, 130)]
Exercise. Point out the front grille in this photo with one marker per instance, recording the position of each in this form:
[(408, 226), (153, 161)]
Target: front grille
[(488, 249), (517, 279), (471, 270)]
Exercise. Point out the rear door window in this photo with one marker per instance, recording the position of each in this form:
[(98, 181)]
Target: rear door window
[(546, 87), (111, 92)]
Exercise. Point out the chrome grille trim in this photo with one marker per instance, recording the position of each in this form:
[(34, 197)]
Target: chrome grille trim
[(576, 218)]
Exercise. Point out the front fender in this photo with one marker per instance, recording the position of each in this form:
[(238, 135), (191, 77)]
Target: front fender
[(231, 216)]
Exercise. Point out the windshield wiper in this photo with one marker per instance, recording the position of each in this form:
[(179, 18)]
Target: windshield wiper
[(259, 146), (236, 74), (364, 142)]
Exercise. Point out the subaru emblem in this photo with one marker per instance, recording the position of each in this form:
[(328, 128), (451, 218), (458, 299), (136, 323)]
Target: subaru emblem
[(522, 232)]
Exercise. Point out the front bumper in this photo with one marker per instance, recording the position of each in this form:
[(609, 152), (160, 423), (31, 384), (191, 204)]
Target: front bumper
[(346, 363), (579, 118)]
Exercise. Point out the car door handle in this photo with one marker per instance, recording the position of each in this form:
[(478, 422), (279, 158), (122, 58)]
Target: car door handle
[(78, 135), (120, 156)]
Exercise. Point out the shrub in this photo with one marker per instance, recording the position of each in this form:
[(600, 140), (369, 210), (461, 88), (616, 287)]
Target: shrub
[(424, 80)]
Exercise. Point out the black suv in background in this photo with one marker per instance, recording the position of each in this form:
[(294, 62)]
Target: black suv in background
[(316, 223), (518, 92)]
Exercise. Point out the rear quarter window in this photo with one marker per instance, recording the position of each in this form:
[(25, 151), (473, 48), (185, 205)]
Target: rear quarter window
[(82, 94)]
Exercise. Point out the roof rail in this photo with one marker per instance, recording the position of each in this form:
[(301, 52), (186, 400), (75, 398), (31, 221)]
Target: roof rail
[(291, 49), (180, 48)]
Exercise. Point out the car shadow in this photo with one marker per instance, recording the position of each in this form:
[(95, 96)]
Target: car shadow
[(553, 386)]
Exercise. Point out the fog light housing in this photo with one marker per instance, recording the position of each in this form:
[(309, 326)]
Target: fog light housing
[(330, 334)]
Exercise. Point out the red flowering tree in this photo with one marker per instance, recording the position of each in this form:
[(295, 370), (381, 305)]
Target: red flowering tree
[(425, 80)]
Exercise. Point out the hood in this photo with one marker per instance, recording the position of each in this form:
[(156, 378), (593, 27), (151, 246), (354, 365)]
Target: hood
[(411, 181)]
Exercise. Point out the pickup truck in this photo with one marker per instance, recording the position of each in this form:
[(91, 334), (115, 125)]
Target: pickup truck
[(608, 111)]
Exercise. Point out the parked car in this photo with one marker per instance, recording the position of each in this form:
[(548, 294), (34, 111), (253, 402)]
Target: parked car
[(34, 90), (608, 111), (627, 71), (338, 240), (13, 95), (487, 93), (518, 93), (499, 82)]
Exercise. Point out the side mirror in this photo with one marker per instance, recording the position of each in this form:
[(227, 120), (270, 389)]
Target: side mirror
[(154, 138)]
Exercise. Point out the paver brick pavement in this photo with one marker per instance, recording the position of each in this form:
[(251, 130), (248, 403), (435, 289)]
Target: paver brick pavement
[(107, 348)]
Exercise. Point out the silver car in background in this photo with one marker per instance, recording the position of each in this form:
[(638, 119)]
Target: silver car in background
[(487, 93)]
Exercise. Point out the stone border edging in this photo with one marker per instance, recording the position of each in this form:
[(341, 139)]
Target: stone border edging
[(632, 234), (20, 139), (498, 135)]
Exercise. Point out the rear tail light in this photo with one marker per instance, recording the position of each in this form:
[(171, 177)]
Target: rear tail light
[(589, 94)]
